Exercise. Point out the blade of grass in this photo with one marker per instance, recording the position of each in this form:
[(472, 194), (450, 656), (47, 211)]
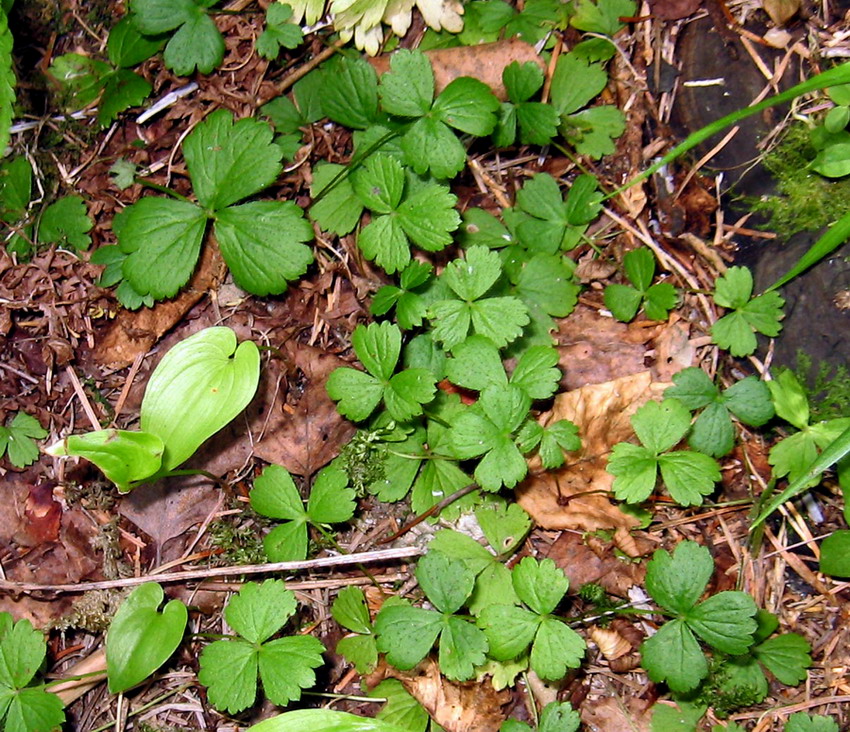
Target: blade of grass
[(837, 234), (836, 450), (832, 77)]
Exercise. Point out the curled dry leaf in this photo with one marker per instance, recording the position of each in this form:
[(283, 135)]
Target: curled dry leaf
[(610, 643), (577, 496), (485, 62)]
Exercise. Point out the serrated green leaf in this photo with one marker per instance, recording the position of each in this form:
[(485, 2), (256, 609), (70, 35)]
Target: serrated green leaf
[(356, 393), (623, 301), (123, 456), (673, 656), (287, 542), (379, 183), (407, 89), (127, 47), (378, 347), (16, 440), (712, 432), (360, 651), (725, 621), (274, 495), (602, 16), (230, 160), (339, 209), (750, 401), (350, 92), (141, 638), (501, 319), (492, 586), (279, 32), (559, 717), (575, 83), (677, 582), (683, 717), (509, 630), (22, 651), (539, 584), (383, 240), (66, 223), (439, 479), (659, 426), (558, 438), (428, 216), (592, 131), (401, 708), (208, 370), (483, 228), (15, 187), (522, 81), (504, 524), (263, 244), (538, 123), (429, 145), (198, 43), (446, 581), (462, 648), (786, 656), (468, 105), (258, 611), (693, 388), (789, 399), (556, 648), (733, 333), (81, 77), (547, 282), (472, 277), (32, 710), (331, 500), (122, 90), (639, 266), (162, 240), (802, 722), (286, 667), (793, 455), (636, 471), (476, 364), (350, 611), (688, 476), (835, 554), (734, 288), (406, 634), (536, 372), (7, 80), (229, 671)]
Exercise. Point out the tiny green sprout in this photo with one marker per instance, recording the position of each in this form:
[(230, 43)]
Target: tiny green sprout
[(285, 666), (274, 495), (624, 301), (725, 621), (17, 440), (687, 475), (749, 315), (351, 612), (279, 32)]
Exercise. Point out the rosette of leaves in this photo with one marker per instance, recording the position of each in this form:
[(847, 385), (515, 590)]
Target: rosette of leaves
[(261, 241), (546, 222), (406, 634), (501, 319), (429, 143), (285, 666), (749, 315), (725, 621), (713, 433), (24, 706), (687, 475), (378, 347), (536, 122), (624, 301), (85, 78), (274, 495), (510, 630), (196, 43)]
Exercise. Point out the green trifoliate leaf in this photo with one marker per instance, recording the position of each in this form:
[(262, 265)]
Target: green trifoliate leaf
[(470, 278), (287, 666), (592, 131), (736, 331), (725, 621), (274, 495), (558, 438), (350, 92), (546, 282), (406, 634), (467, 105), (463, 647), (446, 581), (476, 364), (340, 209), (123, 456), (504, 524), (673, 656), (407, 391), (208, 370), (331, 500), (802, 722), (197, 42), (259, 611), (66, 223), (407, 90), (510, 630), (522, 81), (575, 83), (688, 476), (786, 656), (539, 584), (263, 244), (677, 582), (602, 16), (409, 304), (229, 161), (659, 426), (789, 399), (556, 648), (162, 240), (141, 638), (536, 372), (279, 32), (16, 440), (559, 717), (623, 301)]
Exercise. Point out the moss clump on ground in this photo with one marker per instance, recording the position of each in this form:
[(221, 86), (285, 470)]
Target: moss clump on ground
[(805, 201), (827, 387)]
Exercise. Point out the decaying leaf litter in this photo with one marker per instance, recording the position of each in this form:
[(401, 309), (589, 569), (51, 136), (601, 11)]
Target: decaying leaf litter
[(74, 358)]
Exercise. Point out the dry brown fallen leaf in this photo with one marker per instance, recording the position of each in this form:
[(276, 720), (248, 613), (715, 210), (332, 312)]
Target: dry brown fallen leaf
[(485, 62), (134, 332), (601, 412), (457, 707), (614, 713), (781, 11)]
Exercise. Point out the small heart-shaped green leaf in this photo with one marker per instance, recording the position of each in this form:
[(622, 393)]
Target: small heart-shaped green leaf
[(141, 638), (199, 386)]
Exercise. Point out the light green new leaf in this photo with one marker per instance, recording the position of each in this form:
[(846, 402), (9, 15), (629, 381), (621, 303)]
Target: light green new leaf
[(536, 372), (559, 717), (162, 239), (331, 500), (725, 621), (66, 223), (17, 439), (212, 373), (263, 244), (673, 656), (279, 32), (123, 456), (140, 638), (558, 438), (602, 16), (258, 611), (789, 399), (325, 720), (274, 495), (677, 582), (736, 331), (228, 160)]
